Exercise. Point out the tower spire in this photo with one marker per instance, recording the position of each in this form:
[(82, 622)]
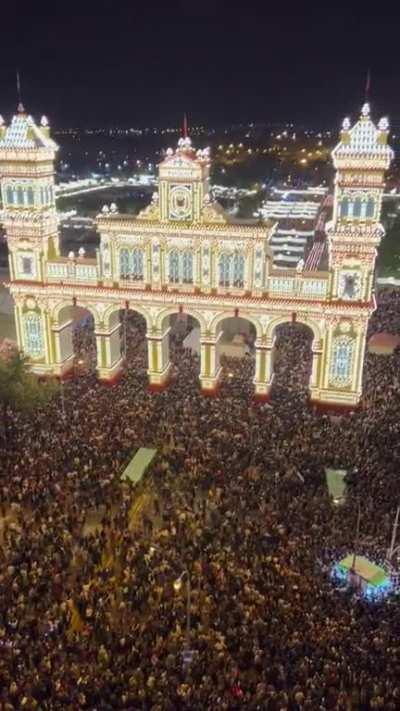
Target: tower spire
[(20, 109), (368, 86), (185, 126)]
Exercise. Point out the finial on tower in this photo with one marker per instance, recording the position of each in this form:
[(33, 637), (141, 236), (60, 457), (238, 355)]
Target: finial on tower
[(383, 124), (365, 111)]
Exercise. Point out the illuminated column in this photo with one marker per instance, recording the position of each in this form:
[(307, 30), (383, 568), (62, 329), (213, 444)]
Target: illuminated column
[(62, 347), (264, 368), (159, 364), (109, 359), (316, 369), (19, 325), (338, 378), (34, 335), (210, 368)]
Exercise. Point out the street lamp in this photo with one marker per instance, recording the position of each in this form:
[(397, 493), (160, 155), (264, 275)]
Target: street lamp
[(177, 587), (62, 398)]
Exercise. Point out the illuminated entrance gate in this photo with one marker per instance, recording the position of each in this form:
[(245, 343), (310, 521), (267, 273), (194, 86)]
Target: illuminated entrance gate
[(184, 255)]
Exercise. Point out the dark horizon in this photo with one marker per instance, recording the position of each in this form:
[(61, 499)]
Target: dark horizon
[(100, 64)]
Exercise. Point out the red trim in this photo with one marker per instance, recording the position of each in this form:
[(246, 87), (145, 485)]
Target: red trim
[(68, 374), (158, 387), (210, 392), (113, 381), (345, 305), (334, 408), (260, 398)]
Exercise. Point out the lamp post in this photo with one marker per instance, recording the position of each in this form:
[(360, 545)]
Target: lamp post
[(177, 587), (62, 398), (125, 329)]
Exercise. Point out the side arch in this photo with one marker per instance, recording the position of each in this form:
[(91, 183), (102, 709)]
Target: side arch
[(55, 314), (286, 318), (172, 310), (117, 308), (243, 315)]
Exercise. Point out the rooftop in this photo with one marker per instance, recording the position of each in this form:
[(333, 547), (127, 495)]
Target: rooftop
[(23, 132)]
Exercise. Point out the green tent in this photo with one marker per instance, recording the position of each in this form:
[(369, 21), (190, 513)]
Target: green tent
[(336, 483), (138, 465), (370, 572)]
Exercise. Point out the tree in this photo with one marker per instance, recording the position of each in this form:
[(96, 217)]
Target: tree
[(20, 389)]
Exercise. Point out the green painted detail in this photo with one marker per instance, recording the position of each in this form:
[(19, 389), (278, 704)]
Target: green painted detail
[(52, 346), (51, 250), (45, 329), (263, 366), (208, 360), (25, 308), (154, 356), (103, 354), (18, 325)]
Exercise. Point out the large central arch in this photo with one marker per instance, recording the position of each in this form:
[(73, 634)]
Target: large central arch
[(72, 337), (299, 343)]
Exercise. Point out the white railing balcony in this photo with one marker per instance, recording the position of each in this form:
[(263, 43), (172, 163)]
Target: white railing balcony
[(299, 286), (65, 270)]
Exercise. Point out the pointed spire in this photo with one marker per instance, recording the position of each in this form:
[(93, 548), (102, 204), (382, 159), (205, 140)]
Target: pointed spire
[(20, 107), (185, 126), (368, 86)]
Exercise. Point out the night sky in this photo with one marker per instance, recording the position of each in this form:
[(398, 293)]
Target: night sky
[(115, 62)]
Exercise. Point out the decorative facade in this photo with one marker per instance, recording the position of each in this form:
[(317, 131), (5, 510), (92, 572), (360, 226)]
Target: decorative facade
[(184, 254)]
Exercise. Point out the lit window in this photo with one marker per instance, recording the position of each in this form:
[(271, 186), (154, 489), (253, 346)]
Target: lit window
[(225, 262), (10, 195), (357, 207), (30, 196), (370, 208), (20, 195), (27, 266), (187, 268), (344, 207), (137, 264), (174, 267), (342, 361), (238, 271), (33, 335), (124, 263)]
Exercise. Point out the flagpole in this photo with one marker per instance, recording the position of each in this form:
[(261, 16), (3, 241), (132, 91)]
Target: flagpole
[(356, 542), (394, 533)]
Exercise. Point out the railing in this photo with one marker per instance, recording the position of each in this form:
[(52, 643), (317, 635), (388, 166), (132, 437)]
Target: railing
[(298, 287), (72, 272), (282, 285)]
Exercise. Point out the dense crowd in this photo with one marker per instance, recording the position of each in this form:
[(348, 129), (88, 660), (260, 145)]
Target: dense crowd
[(237, 498)]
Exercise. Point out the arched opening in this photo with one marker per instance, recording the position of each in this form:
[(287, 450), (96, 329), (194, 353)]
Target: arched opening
[(291, 360), (183, 343), (236, 352), (129, 340), (75, 339)]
